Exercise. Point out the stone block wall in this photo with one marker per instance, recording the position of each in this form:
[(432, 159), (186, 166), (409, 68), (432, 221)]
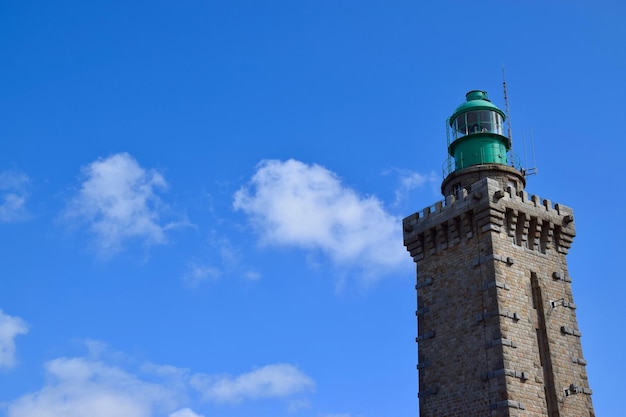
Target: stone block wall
[(497, 331)]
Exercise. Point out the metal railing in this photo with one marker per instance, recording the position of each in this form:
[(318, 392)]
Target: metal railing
[(450, 164)]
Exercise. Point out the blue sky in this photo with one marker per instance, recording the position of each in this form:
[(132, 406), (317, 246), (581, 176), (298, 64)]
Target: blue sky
[(200, 200)]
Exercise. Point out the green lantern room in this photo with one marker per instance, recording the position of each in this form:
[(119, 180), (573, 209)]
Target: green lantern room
[(478, 146), (476, 130)]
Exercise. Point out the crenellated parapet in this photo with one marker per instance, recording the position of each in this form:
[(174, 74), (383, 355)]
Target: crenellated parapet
[(526, 220)]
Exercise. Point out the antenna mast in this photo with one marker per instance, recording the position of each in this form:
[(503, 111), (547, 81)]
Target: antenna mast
[(506, 109), (533, 170), (526, 171)]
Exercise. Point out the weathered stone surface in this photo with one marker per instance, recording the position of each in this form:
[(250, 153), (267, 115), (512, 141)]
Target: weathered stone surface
[(496, 317)]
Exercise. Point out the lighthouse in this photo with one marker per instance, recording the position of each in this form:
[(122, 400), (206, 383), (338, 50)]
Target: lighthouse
[(497, 333)]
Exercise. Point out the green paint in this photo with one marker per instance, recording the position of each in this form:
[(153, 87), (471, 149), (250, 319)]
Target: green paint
[(477, 132)]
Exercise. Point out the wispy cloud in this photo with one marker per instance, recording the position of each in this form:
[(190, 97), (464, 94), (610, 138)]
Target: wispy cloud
[(271, 381), (118, 201), (198, 273), (411, 180), (13, 194), (224, 259), (294, 204), (10, 328)]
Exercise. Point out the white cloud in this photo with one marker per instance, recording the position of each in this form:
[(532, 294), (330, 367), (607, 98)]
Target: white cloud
[(10, 328), (13, 193), (185, 412), (292, 203), (88, 386), (79, 387), (271, 381), (118, 201)]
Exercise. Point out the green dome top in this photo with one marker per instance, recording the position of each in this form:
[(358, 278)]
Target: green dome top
[(476, 100)]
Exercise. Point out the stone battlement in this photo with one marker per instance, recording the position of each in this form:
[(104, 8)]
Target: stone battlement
[(487, 185), (527, 220)]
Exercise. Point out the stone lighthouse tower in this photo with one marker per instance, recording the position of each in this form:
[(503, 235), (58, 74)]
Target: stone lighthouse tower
[(497, 331)]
